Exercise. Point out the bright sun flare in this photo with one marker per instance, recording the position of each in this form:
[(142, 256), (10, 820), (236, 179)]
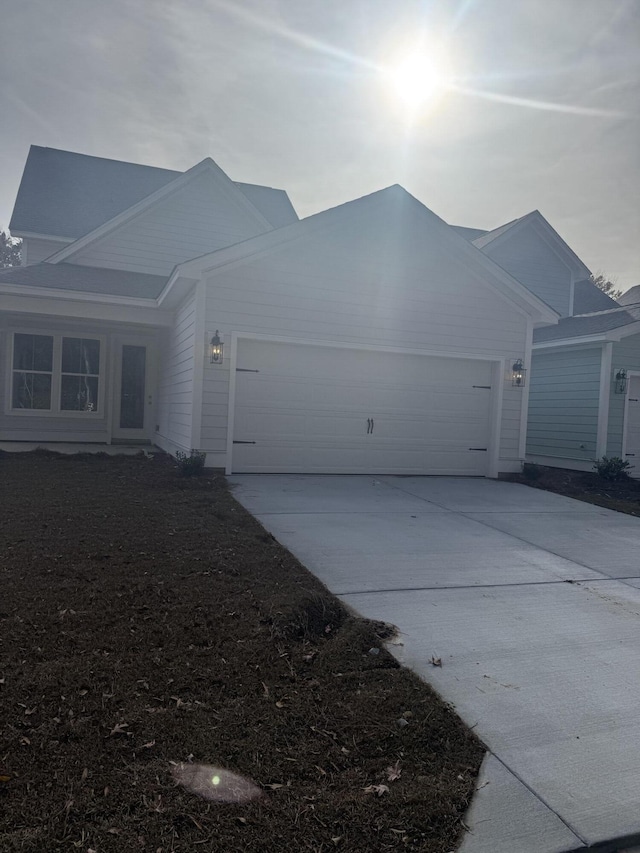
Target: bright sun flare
[(419, 79)]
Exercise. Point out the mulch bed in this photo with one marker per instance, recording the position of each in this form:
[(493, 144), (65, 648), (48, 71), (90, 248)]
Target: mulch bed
[(146, 618), (622, 495)]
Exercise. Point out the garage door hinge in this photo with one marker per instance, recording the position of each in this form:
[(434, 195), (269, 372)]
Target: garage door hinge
[(243, 442), (482, 386), (478, 448), (246, 370)]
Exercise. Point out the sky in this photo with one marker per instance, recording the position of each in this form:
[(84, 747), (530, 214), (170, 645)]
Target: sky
[(539, 107)]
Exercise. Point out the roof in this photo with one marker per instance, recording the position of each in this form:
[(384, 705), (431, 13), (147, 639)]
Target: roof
[(631, 296), (587, 298), (469, 234), (537, 220), (64, 194), (274, 205), (490, 236), (585, 325), (85, 279)]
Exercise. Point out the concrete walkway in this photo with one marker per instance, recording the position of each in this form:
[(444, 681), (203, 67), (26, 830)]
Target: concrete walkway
[(531, 600)]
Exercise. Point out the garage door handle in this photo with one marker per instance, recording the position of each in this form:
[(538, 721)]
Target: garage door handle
[(372, 425), (368, 425)]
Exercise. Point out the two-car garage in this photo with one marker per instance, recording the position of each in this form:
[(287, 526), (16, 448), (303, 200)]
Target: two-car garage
[(302, 408)]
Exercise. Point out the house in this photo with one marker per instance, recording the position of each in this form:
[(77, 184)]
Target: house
[(189, 311), (584, 395)]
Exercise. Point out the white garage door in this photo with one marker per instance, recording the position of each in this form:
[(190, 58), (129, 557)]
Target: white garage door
[(309, 409)]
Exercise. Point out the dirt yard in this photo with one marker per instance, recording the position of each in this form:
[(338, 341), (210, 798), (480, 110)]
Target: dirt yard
[(622, 495), (145, 619)]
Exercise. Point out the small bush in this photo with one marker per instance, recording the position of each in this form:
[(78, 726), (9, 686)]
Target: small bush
[(530, 471), (612, 468), (191, 464)]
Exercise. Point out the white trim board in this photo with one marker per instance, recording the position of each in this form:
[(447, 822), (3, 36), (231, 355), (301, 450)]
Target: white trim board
[(604, 401)]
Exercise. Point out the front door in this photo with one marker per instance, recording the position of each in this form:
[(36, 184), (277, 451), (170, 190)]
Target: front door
[(632, 425), (134, 380)]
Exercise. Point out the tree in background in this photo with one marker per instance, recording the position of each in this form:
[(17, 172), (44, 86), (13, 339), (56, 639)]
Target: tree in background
[(605, 285), (9, 251)]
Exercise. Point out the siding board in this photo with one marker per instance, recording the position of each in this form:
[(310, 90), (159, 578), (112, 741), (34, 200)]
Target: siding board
[(564, 403), (175, 387), (194, 220)]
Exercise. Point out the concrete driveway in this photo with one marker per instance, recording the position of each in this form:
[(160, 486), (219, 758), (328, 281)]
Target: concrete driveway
[(531, 600)]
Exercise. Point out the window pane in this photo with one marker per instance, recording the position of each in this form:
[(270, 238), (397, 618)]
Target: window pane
[(79, 394), (32, 352), (80, 355), (132, 387), (31, 390)]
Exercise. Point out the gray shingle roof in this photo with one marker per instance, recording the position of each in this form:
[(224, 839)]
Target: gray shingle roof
[(469, 234), (631, 296), (587, 324), (588, 298), (65, 194), (274, 205), (489, 236), (85, 279)]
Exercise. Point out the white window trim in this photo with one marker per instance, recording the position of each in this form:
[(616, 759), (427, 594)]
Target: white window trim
[(56, 377)]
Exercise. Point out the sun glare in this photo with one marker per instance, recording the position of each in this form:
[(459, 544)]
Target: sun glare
[(418, 79)]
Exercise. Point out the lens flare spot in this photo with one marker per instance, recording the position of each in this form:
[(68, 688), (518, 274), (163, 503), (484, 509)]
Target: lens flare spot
[(215, 780)]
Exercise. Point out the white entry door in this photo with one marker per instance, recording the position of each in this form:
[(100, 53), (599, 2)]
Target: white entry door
[(632, 426), (312, 409), (134, 383)]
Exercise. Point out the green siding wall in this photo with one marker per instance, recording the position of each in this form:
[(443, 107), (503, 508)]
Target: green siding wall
[(626, 353), (563, 403)]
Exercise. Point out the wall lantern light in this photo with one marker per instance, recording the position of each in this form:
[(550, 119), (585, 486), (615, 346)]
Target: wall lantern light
[(216, 349), (621, 381), (518, 373)]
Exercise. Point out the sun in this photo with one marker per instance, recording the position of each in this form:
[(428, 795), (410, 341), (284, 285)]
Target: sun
[(419, 78)]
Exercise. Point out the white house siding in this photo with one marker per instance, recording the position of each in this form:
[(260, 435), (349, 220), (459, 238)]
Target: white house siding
[(626, 354), (564, 404), (176, 380), (35, 250), (531, 261), (198, 218), (355, 284), (51, 428)]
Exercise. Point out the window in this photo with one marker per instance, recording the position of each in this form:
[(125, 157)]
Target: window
[(80, 371), (55, 373), (32, 371)]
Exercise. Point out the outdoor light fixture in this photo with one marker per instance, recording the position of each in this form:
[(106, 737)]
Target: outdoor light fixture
[(621, 381), (215, 349), (518, 373)]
